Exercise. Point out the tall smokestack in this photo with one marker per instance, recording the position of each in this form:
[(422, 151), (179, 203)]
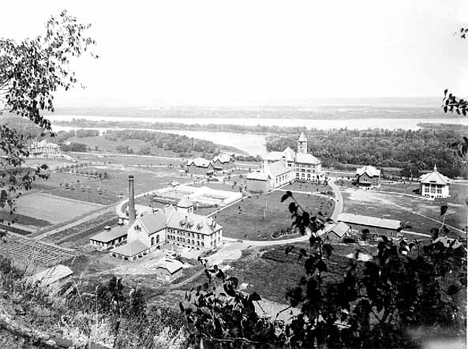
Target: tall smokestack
[(131, 199)]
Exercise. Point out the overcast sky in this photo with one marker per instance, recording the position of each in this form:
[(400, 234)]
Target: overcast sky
[(245, 52)]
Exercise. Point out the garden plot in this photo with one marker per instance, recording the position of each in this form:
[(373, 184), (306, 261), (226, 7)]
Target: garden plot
[(51, 209), (204, 196)]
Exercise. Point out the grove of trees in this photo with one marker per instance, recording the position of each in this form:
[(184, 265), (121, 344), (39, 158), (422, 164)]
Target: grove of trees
[(411, 151)]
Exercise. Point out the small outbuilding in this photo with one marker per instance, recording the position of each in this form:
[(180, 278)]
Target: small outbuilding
[(169, 269), (109, 237), (52, 278), (336, 231), (131, 251)]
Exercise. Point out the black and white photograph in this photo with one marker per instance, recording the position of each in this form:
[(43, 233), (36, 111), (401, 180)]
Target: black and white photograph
[(210, 174)]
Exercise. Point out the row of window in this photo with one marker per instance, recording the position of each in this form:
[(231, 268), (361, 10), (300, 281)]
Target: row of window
[(433, 190)]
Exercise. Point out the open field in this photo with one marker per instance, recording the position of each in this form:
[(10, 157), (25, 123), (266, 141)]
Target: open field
[(415, 210), (47, 210), (259, 216), (86, 188)]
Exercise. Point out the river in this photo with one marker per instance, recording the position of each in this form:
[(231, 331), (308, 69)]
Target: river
[(254, 144)]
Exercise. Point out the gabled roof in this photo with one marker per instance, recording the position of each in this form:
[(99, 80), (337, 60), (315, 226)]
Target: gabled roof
[(223, 158), (153, 222), (193, 223), (276, 168), (273, 156), (434, 177), (110, 235), (384, 223), (258, 176), (302, 137), (307, 159), (370, 170), (185, 203), (199, 162), (131, 249), (339, 228), (171, 265), (289, 154), (49, 276)]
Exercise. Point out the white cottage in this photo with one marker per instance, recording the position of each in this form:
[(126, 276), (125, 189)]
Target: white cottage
[(434, 184)]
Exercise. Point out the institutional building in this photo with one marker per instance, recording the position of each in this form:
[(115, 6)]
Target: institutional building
[(44, 149), (271, 175), (434, 184), (280, 168)]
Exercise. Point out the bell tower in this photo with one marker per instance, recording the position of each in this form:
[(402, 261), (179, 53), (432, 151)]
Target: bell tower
[(302, 144)]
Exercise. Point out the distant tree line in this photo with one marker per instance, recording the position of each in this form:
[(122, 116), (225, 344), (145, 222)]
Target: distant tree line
[(412, 151), (167, 141)]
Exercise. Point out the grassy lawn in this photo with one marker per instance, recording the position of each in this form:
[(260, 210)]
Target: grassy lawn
[(259, 216), (308, 187), (404, 208)]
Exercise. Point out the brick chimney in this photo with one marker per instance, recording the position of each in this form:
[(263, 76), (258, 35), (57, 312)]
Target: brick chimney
[(131, 199)]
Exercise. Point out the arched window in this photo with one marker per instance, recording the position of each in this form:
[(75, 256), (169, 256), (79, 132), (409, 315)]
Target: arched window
[(152, 241), (157, 239)]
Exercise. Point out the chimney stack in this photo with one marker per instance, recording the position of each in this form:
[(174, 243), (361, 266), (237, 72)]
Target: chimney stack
[(131, 199)]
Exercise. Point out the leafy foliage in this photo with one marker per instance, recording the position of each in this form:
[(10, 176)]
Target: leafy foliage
[(370, 305), (32, 71), (411, 151)]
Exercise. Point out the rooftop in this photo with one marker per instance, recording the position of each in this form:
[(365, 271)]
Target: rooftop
[(199, 162), (434, 177), (110, 235), (193, 223), (259, 176), (307, 159), (376, 222), (339, 228), (185, 203), (131, 249), (223, 158), (49, 276), (370, 170), (277, 168), (171, 265), (153, 222)]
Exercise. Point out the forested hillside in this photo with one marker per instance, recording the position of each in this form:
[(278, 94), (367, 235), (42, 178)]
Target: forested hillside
[(409, 150)]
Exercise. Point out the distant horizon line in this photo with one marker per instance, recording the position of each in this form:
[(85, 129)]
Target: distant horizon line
[(430, 101)]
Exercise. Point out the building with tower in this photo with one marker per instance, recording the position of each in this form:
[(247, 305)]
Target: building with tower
[(304, 166)]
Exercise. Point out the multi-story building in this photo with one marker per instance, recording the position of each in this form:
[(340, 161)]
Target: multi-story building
[(44, 149), (434, 184), (177, 226), (306, 166)]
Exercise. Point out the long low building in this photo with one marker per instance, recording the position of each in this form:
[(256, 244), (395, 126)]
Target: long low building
[(369, 221), (109, 238)]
